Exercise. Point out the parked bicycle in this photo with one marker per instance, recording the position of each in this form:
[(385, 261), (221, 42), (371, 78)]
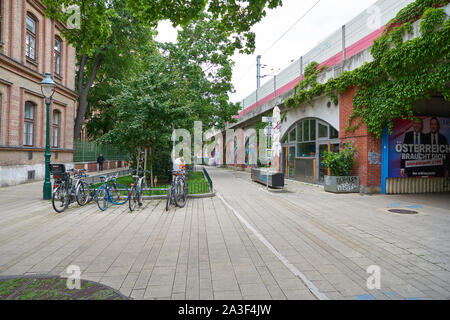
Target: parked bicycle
[(85, 191), (65, 189), (110, 191), (178, 190), (137, 190)]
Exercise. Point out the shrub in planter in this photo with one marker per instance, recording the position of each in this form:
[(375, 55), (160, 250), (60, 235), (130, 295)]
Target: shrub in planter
[(341, 165)]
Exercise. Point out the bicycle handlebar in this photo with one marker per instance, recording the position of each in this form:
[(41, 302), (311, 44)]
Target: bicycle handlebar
[(107, 179)]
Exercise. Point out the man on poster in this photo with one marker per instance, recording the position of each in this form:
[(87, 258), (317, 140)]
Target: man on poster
[(412, 138), (439, 149)]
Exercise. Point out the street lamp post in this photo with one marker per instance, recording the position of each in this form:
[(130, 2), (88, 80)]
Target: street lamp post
[(47, 88)]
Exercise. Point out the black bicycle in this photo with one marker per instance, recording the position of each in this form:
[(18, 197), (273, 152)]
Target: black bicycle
[(178, 189), (137, 191), (64, 190)]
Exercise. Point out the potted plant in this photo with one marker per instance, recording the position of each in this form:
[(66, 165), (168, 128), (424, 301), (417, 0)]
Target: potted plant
[(340, 165)]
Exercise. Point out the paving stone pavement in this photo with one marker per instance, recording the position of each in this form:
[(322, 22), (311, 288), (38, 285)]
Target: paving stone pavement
[(206, 251)]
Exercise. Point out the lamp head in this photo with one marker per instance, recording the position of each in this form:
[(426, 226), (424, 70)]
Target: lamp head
[(48, 86)]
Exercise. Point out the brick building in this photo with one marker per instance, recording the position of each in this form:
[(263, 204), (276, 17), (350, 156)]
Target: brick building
[(369, 173), (308, 130), (30, 45)]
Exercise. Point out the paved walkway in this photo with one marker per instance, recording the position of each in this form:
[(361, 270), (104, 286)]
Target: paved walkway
[(245, 243)]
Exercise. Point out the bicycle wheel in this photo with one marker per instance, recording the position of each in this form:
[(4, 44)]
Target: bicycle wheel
[(91, 191), (169, 198), (132, 199), (141, 193), (101, 197), (116, 191), (82, 194), (180, 193), (60, 199)]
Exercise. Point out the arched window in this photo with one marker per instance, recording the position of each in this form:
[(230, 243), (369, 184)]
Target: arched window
[(56, 123), (307, 134), (305, 142), (57, 55), (28, 124), (30, 38), (306, 139)]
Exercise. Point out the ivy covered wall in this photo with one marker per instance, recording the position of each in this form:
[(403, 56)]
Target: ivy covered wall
[(402, 72)]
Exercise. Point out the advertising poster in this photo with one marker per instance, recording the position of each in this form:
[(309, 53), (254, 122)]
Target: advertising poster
[(420, 148)]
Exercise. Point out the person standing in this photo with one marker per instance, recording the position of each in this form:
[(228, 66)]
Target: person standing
[(177, 163), (100, 161)]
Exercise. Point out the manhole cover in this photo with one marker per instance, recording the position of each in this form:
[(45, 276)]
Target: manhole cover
[(403, 211)]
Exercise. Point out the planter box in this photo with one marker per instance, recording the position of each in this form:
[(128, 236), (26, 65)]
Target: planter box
[(276, 179), (341, 184)]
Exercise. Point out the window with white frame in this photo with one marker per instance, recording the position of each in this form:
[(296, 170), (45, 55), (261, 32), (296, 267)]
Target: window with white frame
[(56, 123), (304, 136), (57, 55), (30, 38), (28, 124)]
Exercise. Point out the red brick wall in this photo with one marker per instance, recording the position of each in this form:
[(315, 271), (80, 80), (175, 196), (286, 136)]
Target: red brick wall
[(369, 174), (92, 166)]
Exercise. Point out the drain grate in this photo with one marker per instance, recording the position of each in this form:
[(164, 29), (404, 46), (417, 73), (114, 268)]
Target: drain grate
[(403, 211)]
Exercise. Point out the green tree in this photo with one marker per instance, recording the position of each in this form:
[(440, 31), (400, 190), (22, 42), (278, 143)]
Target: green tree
[(105, 42), (96, 39), (203, 55), (185, 82), (147, 107), (117, 65)]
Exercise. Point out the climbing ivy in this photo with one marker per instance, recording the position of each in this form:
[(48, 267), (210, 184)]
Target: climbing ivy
[(401, 74), (307, 89)]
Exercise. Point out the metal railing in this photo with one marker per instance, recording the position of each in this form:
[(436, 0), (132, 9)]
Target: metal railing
[(193, 187), (85, 151), (96, 179), (208, 178)]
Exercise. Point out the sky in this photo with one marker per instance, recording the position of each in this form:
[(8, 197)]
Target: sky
[(326, 17)]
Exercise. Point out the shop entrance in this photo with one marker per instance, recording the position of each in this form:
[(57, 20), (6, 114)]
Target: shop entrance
[(303, 145), (288, 161)]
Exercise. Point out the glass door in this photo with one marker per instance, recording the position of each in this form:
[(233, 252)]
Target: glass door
[(322, 170), (291, 162)]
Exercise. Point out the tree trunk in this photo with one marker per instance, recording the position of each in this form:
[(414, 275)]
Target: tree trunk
[(82, 106), (83, 91), (151, 167)]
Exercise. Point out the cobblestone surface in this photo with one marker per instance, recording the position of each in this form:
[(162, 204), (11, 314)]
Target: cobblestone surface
[(205, 251)]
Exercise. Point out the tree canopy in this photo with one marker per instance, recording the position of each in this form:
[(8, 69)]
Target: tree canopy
[(100, 20), (180, 83)]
